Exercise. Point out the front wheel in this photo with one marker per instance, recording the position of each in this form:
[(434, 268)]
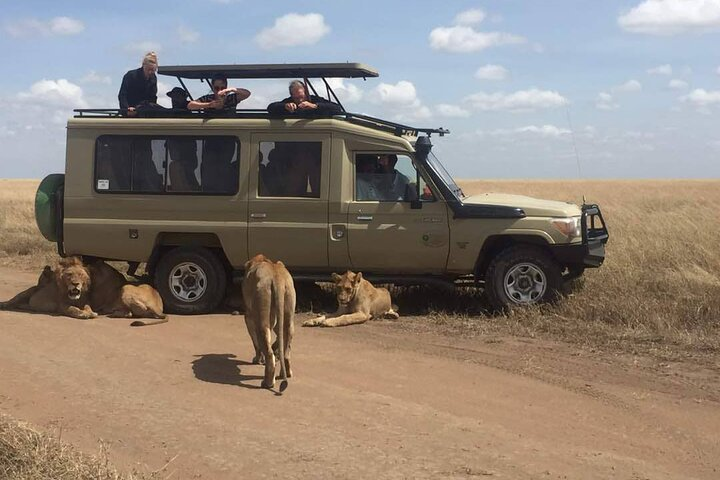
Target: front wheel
[(191, 280), (522, 275)]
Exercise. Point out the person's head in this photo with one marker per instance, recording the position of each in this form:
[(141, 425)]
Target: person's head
[(150, 63), (297, 91), (178, 97), (387, 162), (366, 164), (218, 82)]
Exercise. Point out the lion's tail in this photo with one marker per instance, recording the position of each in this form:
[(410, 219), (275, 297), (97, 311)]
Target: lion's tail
[(161, 318), (278, 298)]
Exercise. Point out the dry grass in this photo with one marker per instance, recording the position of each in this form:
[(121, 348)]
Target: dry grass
[(21, 244), (26, 454), (658, 292)]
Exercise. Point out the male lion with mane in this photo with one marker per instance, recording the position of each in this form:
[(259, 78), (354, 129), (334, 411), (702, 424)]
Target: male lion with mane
[(63, 289), (82, 291), (358, 301), (269, 295)]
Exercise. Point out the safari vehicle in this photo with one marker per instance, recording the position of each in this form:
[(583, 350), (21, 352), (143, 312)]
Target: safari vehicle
[(194, 195)]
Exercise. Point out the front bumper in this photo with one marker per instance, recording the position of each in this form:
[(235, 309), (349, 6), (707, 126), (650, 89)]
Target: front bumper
[(590, 253)]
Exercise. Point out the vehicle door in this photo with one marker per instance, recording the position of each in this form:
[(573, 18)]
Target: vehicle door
[(396, 220), (288, 200)]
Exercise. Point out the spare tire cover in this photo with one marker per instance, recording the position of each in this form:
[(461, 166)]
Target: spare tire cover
[(46, 215)]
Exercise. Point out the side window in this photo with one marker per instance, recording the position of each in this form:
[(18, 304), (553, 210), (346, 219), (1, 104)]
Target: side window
[(388, 178), (290, 169), (172, 164)]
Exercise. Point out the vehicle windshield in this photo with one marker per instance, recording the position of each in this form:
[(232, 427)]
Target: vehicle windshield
[(435, 164)]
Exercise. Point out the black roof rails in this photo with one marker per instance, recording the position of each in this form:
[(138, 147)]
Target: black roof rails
[(398, 129)]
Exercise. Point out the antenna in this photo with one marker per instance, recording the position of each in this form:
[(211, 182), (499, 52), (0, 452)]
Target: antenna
[(572, 132)]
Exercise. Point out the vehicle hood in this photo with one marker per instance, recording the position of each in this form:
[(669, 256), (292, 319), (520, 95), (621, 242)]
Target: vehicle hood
[(533, 207)]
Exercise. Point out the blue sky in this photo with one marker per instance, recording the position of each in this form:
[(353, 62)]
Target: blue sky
[(633, 85)]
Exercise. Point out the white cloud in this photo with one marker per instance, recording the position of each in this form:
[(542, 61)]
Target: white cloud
[(605, 101), (522, 100), (661, 70), (402, 93), (629, 86), (54, 26), (293, 30), (446, 110), (143, 47), (54, 93), (677, 84), (162, 98), (464, 39), (491, 72), (718, 71), (401, 99), (669, 17), (702, 98), (187, 34), (266, 92), (346, 93), (66, 26), (94, 77), (470, 17)]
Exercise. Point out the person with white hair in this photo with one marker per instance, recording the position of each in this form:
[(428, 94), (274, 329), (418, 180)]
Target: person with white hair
[(139, 86), (299, 102)]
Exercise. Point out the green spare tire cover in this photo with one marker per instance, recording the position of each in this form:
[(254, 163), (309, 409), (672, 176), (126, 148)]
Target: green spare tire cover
[(46, 215)]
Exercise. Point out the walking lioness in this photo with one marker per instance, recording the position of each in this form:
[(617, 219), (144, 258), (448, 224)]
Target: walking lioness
[(269, 295), (358, 302)]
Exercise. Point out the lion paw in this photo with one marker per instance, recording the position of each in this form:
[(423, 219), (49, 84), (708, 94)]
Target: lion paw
[(314, 322)]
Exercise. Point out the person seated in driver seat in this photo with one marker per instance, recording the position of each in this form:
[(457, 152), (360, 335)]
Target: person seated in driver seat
[(365, 178), (393, 185)]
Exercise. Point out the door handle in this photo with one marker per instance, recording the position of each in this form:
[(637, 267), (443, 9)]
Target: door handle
[(365, 218), (258, 215)]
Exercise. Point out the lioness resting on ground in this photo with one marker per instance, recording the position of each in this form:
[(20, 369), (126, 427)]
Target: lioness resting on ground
[(358, 302), (269, 295), (79, 291)]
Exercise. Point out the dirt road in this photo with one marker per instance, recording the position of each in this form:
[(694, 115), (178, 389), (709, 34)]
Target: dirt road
[(367, 402)]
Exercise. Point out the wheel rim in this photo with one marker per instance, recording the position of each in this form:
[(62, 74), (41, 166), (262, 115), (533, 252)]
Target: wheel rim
[(525, 283), (188, 282)]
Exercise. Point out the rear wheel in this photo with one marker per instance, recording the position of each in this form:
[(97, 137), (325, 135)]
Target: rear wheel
[(191, 280), (522, 275)]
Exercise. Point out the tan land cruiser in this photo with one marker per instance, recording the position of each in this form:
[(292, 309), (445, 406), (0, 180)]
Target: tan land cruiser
[(194, 195)]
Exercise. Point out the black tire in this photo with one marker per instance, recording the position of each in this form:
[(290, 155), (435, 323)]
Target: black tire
[(532, 274), (191, 280)]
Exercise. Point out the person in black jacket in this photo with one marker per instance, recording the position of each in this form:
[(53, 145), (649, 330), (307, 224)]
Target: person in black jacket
[(139, 86), (299, 102)]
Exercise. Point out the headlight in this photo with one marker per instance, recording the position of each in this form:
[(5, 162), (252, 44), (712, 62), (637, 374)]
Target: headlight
[(569, 227)]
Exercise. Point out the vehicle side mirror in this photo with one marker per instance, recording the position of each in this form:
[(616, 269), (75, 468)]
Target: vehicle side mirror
[(416, 205)]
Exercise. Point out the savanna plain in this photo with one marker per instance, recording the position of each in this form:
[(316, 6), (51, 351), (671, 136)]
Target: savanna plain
[(620, 379)]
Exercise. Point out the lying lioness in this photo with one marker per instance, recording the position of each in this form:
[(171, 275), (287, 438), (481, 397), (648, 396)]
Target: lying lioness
[(269, 295), (358, 302), (80, 291)]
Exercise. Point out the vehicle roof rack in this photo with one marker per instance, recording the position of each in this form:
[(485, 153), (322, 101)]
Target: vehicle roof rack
[(398, 129), (272, 70)]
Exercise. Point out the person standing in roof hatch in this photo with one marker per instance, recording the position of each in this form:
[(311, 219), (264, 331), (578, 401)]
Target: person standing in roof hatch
[(221, 98), (139, 87), (300, 102)]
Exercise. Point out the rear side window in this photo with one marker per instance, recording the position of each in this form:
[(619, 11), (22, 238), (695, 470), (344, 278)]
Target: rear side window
[(172, 164), (290, 169)]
